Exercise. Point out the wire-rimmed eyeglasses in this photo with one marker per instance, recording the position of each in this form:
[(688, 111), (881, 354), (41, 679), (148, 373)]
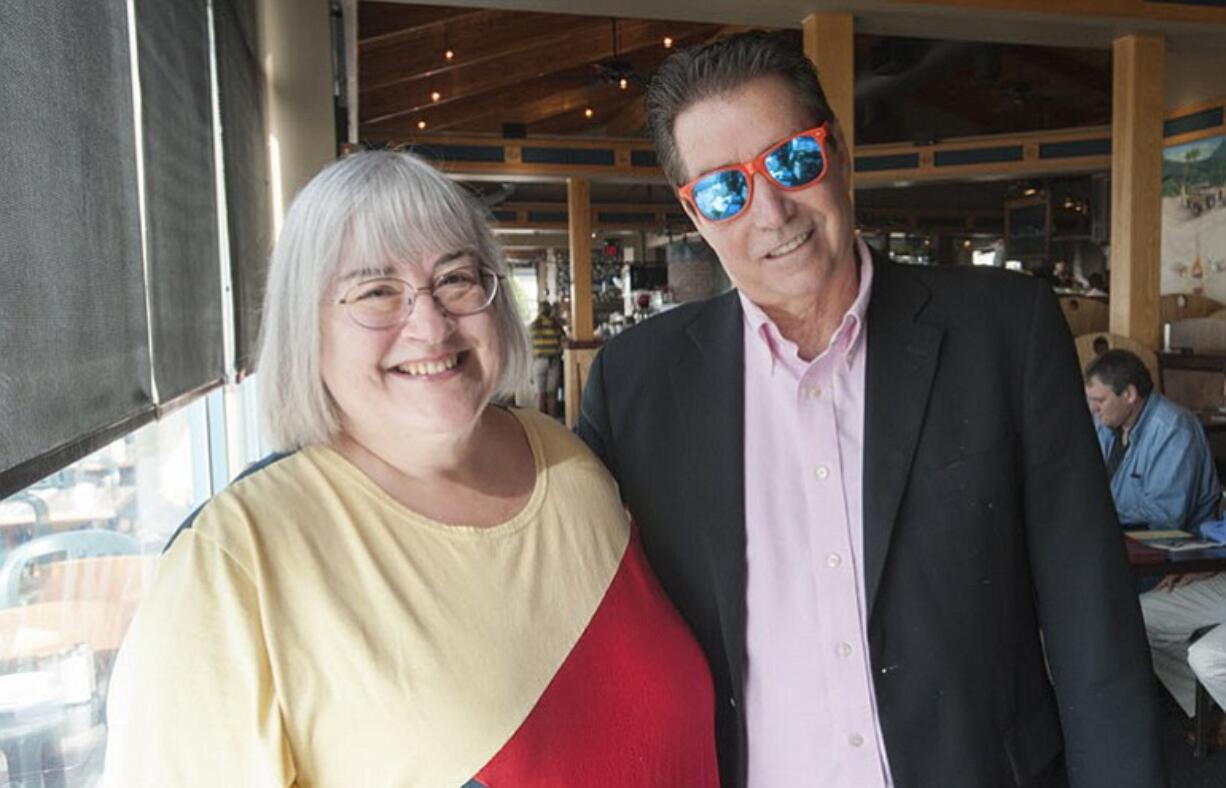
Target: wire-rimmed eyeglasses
[(385, 301)]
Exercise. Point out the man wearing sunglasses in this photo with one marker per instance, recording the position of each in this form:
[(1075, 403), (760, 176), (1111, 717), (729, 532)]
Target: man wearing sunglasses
[(867, 487)]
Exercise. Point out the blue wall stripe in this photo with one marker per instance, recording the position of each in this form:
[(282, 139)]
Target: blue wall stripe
[(643, 158), (898, 161), (949, 158), (599, 156), (618, 217), (547, 216), (1205, 119), (477, 153), (1065, 150)]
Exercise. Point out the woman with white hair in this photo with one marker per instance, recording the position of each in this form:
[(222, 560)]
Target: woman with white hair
[(421, 589)]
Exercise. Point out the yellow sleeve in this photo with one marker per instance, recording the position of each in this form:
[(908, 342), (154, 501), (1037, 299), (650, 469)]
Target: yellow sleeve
[(192, 700)]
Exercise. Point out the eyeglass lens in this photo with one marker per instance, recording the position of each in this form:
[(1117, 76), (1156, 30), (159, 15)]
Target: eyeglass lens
[(725, 194), (378, 303)]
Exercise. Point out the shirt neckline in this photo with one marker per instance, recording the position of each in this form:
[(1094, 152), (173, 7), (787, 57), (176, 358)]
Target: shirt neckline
[(461, 531)]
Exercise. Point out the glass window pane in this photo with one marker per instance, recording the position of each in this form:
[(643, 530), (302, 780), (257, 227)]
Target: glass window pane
[(77, 550)]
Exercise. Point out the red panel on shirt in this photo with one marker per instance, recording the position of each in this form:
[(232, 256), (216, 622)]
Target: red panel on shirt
[(632, 706)]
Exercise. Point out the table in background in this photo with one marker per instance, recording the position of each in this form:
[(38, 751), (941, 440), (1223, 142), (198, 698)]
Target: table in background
[(1148, 561)]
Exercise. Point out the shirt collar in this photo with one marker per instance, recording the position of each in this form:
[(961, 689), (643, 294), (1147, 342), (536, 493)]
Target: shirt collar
[(848, 339), (1138, 428)]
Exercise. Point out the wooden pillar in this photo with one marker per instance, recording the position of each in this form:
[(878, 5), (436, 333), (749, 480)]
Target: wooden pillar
[(579, 211), (582, 346), (1136, 186), (830, 43)]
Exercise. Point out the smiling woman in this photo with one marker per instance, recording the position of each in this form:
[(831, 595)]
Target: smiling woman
[(422, 589)]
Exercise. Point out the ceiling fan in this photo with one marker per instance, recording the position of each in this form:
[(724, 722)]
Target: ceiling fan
[(616, 70)]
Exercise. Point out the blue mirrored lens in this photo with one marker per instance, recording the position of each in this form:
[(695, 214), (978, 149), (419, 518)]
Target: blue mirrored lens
[(721, 195), (797, 162)]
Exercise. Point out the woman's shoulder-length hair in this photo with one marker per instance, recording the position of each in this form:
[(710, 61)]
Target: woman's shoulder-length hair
[(370, 206)]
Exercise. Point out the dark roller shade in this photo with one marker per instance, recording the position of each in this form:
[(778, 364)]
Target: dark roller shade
[(74, 360), (180, 195), (241, 89)]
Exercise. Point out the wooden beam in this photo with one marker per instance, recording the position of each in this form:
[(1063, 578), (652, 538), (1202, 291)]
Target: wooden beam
[(390, 24), (579, 212), (557, 50), (1128, 9), (476, 40), (1136, 186), (829, 41), (526, 103)]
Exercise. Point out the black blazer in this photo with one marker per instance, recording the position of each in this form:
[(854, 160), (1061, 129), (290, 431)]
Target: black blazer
[(987, 517)]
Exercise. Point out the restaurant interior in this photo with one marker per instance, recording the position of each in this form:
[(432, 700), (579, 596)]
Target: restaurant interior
[(1082, 142)]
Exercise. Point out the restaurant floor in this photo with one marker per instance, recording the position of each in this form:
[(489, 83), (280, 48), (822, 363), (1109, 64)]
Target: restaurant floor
[(1184, 770)]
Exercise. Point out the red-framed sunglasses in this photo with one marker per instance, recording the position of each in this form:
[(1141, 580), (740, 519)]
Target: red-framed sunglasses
[(795, 163)]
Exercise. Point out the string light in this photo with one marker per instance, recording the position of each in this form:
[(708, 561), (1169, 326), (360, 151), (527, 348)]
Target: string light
[(435, 96), (668, 42), (421, 124), (622, 83), (587, 113), (448, 53)]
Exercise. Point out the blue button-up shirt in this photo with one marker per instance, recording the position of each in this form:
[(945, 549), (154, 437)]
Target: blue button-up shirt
[(1166, 478)]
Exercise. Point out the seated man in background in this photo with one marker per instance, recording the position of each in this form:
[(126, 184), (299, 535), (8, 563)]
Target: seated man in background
[(1162, 475), (1158, 459)]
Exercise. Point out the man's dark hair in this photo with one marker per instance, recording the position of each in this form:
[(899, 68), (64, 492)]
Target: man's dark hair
[(1118, 369), (692, 75)]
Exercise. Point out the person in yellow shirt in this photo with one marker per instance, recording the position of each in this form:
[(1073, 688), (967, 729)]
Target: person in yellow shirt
[(548, 339)]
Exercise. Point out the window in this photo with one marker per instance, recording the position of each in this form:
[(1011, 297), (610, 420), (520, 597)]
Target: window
[(78, 549)]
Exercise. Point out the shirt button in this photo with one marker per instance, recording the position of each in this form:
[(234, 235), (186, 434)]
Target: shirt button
[(814, 392), (732, 702), (843, 649), (833, 560), (855, 740), (822, 472)]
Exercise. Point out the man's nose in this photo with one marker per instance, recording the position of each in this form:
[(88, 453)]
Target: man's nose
[(772, 205)]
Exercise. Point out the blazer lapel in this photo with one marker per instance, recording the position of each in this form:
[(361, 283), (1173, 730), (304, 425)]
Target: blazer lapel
[(902, 359), (709, 391)]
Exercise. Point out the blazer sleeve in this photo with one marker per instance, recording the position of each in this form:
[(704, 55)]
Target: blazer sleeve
[(1089, 614)]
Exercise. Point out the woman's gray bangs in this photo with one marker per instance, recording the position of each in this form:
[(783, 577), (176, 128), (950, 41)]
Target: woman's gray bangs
[(408, 213)]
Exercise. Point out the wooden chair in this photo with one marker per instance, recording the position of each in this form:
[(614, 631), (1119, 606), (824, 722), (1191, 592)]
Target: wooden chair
[(1085, 315), (1182, 306), (1086, 354), (69, 621)]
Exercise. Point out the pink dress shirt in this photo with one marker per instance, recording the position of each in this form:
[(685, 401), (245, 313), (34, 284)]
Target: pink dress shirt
[(809, 704)]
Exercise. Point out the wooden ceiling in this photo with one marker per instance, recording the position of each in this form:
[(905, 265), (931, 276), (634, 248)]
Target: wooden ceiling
[(508, 67), (541, 71)]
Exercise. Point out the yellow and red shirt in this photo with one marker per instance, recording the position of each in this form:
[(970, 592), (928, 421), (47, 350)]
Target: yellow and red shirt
[(308, 630)]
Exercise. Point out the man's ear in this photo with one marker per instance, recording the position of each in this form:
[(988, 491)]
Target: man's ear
[(1131, 395)]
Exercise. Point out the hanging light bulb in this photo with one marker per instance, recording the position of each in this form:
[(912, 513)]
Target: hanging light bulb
[(587, 113), (622, 83), (449, 54), (435, 96), (668, 42), (421, 124)]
